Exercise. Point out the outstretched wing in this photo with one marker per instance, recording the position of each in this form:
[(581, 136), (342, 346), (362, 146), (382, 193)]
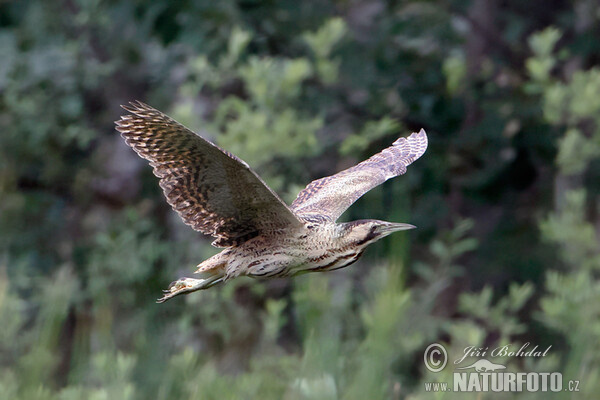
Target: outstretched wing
[(329, 197), (213, 191)]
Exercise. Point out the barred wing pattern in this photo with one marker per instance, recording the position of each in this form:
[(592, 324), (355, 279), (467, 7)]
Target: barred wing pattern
[(329, 197), (213, 191)]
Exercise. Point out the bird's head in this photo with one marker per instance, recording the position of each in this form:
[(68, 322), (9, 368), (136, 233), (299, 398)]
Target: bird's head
[(366, 231)]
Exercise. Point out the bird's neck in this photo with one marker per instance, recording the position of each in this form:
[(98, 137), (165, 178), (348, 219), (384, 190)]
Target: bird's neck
[(355, 235)]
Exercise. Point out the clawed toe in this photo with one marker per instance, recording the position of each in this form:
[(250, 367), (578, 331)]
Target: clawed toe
[(180, 286), (188, 285)]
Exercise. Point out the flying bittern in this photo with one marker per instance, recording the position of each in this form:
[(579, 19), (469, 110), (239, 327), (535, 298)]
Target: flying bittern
[(218, 194)]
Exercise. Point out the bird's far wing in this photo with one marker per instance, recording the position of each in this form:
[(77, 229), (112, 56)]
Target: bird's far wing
[(330, 196), (213, 191)]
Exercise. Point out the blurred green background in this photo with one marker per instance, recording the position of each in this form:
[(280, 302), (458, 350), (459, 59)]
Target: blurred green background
[(506, 198)]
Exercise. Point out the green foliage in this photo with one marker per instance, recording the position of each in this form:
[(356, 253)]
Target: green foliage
[(455, 71), (267, 121), (576, 236), (322, 43), (372, 131), (501, 317), (570, 305), (567, 103), (506, 197), (542, 45), (242, 124)]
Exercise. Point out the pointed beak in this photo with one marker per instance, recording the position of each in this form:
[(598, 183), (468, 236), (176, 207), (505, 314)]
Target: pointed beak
[(395, 227)]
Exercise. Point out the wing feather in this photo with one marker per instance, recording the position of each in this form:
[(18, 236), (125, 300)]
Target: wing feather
[(213, 191), (330, 196)]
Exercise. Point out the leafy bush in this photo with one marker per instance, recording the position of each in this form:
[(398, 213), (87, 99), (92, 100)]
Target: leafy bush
[(505, 197)]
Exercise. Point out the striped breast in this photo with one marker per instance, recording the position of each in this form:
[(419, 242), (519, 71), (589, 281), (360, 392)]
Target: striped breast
[(335, 261)]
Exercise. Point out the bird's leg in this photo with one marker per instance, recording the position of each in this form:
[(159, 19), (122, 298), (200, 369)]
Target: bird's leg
[(188, 285), (211, 272)]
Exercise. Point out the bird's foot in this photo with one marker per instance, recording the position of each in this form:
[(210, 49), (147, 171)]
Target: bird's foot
[(188, 285)]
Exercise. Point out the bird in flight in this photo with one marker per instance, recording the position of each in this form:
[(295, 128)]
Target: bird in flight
[(218, 194)]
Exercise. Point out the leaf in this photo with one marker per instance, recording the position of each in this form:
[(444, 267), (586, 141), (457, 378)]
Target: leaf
[(326, 37), (543, 42)]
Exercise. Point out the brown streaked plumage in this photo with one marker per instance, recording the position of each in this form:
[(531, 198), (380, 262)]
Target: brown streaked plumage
[(332, 195), (218, 194), (213, 191)]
